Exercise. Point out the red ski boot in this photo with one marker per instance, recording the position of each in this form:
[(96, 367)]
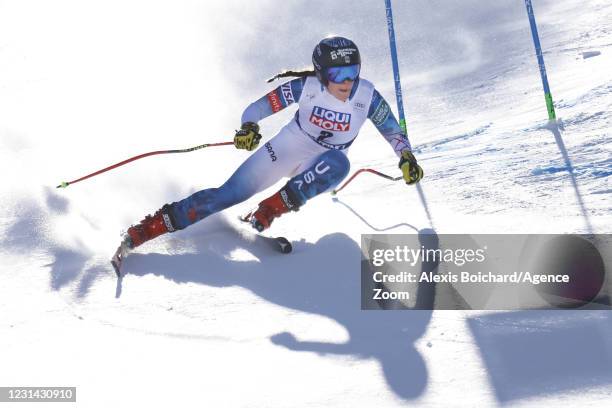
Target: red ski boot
[(151, 227), (271, 208)]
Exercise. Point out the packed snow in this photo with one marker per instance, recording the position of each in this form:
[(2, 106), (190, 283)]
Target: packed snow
[(211, 316)]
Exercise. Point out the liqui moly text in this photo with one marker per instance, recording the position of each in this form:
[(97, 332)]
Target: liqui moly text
[(330, 120)]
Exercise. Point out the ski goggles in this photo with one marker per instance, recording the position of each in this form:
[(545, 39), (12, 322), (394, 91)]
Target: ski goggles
[(340, 74)]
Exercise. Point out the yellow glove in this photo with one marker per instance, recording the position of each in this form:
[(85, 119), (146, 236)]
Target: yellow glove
[(247, 137), (411, 171)]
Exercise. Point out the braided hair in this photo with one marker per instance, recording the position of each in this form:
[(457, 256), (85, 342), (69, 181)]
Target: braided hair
[(299, 74)]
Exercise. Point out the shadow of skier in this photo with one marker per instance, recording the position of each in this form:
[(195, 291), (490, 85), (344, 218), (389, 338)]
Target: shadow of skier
[(321, 278)]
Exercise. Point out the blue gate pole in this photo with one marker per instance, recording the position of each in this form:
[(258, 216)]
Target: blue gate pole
[(400, 101), (396, 74), (538, 48)]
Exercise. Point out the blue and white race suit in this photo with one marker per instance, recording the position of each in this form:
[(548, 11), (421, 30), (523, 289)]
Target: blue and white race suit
[(310, 150)]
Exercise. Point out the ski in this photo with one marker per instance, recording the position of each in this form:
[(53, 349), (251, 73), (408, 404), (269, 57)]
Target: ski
[(119, 256), (281, 244)]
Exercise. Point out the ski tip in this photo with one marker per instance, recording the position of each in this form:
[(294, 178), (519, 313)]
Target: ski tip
[(281, 243), (284, 245), (120, 254), (116, 267), (116, 261)]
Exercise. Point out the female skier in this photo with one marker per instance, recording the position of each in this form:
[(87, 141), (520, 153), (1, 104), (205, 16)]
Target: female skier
[(334, 102)]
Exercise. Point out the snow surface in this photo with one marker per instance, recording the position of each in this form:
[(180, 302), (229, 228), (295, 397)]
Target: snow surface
[(210, 316)]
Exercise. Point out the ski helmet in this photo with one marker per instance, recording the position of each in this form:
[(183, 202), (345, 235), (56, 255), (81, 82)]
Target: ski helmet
[(336, 52)]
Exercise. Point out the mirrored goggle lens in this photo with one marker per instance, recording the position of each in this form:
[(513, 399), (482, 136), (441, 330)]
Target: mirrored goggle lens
[(341, 74)]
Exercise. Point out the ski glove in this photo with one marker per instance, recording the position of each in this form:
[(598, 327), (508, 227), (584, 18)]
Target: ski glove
[(411, 171), (247, 137)]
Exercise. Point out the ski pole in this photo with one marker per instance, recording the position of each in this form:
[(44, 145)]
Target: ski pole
[(65, 184), (378, 173)]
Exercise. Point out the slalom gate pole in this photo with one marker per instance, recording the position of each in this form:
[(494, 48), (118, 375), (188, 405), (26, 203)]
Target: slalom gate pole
[(65, 184), (396, 74), (398, 96), (400, 100), (538, 48)]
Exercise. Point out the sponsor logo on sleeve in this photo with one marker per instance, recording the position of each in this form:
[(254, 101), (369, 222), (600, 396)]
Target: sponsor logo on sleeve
[(270, 151), (381, 113), (287, 94), (275, 102), (330, 120)]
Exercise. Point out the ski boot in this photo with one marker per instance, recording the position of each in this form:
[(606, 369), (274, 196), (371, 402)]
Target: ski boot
[(273, 207), (150, 227)]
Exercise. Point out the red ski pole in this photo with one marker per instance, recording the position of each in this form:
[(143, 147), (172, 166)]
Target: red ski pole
[(378, 173), (65, 184)]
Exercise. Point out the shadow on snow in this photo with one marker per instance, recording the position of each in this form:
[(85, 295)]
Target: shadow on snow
[(321, 278)]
